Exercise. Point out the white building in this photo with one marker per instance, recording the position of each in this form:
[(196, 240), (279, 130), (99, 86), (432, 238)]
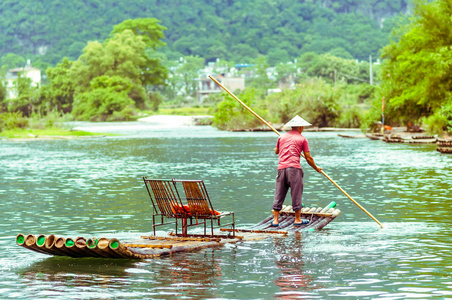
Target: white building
[(11, 76), (207, 86)]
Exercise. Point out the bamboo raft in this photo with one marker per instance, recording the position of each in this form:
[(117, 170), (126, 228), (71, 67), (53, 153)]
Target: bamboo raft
[(143, 248), (153, 246), (444, 146)]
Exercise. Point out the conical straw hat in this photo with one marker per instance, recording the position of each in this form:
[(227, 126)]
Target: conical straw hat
[(298, 121)]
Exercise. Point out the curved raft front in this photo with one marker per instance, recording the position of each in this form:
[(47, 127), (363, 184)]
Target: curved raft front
[(155, 246), (316, 218)]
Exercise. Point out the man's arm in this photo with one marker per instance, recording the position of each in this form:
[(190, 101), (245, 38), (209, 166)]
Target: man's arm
[(310, 161), (276, 150)]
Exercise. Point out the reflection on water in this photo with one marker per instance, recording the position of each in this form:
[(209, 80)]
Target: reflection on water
[(293, 283), (93, 187)]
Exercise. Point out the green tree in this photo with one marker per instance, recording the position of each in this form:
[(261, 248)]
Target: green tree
[(59, 92), (2, 92), (149, 29), (286, 73), (106, 95), (123, 55), (334, 69), (27, 100), (260, 81), (313, 99), (187, 73), (231, 115), (12, 60), (153, 72), (417, 67)]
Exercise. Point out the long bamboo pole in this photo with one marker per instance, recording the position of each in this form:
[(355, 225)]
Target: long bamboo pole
[(276, 131)]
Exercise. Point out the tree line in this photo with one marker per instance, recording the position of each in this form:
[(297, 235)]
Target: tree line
[(235, 30)]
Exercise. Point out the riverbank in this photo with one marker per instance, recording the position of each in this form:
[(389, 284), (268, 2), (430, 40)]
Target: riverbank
[(400, 135), (47, 134), (55, 133), (172, 120), (281, 127)]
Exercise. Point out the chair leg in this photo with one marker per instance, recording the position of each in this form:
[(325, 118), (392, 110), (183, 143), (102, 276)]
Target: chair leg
[(211, 225), (184, 227), (205, 227)]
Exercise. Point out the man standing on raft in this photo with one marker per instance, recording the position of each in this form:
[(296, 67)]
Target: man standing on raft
[(290, 174)]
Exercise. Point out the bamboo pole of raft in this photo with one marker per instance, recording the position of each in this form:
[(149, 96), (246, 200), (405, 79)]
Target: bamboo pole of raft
[(276, 131), (102, 245), (60, 244)]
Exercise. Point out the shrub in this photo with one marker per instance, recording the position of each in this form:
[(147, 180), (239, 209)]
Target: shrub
[(231, 115), (13, 120)]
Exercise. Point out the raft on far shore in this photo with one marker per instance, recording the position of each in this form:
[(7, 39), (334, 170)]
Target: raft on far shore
[(444, 146), (155, 246), (403, 137)]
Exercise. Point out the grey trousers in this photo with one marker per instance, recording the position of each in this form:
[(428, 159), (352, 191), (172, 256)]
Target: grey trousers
[(288, 178)]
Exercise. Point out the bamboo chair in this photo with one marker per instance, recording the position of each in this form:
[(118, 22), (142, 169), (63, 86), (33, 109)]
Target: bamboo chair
[(166, 204), (201, 207)]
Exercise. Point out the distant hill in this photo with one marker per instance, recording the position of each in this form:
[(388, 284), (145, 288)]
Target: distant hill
[(229, 29)]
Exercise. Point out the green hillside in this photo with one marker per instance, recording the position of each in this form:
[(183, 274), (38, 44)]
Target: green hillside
[(233, 30)]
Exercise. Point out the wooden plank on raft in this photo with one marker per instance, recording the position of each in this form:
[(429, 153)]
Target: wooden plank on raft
[(182, 238), (307, 211), (151, 246), (223, 237), (256, 231)]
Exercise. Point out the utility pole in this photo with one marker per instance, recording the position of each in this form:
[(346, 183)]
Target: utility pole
[(370, 70)]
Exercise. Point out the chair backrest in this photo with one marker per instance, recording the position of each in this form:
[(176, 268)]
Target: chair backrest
[(197, 198), (165, 198)]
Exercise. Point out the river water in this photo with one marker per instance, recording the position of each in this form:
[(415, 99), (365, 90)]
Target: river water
[(93, 187)]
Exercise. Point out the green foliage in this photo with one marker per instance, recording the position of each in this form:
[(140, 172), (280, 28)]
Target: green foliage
[(105, 96), (286, 72), (417, 65), (40, 121), (59, 93), (353, 104), (185, 111), (155, 99), (373, 115), (151, 32), (334, 69), (209, 29), (313, 100), (149, 29), (436, 123), (122, 55), (232, 115), (321, 103), (260, 80), (109, 78), (28, 99), (12, 60), (188, 71), (2, 93), (12, 120), (349, 116), (446, 111), (440, 121), (184, 76), (126, 114)]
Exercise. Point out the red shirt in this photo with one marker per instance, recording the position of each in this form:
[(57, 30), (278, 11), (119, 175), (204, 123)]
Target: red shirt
[(290, 146)]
